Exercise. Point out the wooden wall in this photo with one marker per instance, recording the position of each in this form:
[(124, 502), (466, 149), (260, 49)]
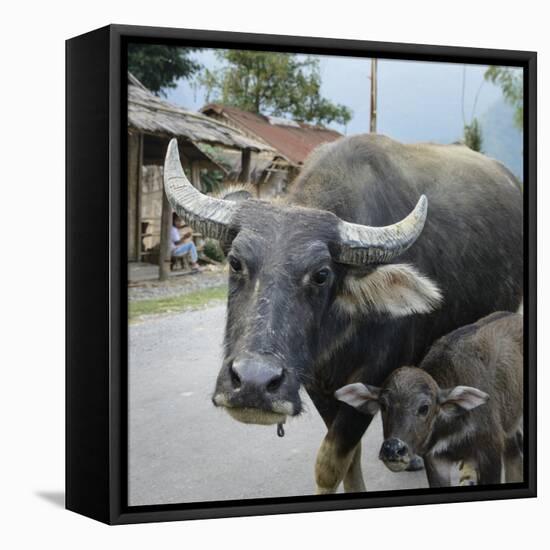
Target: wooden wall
[(135, 160)]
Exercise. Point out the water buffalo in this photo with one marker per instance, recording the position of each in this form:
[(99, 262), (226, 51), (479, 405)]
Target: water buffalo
[(346, 279)]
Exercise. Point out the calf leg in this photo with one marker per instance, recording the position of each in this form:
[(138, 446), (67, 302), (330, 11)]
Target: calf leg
[(513, 461), (490, 467), (340, 452), (438, 471), (468, 472)]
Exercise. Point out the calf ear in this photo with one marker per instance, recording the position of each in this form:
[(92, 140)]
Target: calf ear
[(396, 289), (461, 399), (359, 396)]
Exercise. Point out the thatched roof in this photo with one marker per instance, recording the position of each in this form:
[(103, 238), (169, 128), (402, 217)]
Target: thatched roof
[(151, 115)]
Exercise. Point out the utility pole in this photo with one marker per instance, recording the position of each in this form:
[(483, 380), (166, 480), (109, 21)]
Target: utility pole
[(373, 94)]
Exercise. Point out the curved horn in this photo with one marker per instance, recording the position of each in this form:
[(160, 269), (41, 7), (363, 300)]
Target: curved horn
[(362, 244), (207, 215)]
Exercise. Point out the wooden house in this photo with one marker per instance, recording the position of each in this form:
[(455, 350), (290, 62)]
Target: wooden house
[(292, 142), (205, 145)]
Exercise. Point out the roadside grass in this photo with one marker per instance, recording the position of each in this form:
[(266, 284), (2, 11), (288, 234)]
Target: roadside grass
[(172, 304)]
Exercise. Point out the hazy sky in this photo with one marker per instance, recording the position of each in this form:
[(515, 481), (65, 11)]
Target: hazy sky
[(417, 101)]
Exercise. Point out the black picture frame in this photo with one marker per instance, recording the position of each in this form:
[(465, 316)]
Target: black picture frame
[(96, 269)]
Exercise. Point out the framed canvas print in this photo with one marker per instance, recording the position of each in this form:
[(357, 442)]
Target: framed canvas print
[(300, 274)]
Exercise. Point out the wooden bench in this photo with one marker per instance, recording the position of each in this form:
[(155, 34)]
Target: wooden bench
[(184, 261)]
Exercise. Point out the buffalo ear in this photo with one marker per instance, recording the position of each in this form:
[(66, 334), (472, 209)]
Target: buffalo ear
[(236, 192), (359, 396), (461, 399), (394, 289)]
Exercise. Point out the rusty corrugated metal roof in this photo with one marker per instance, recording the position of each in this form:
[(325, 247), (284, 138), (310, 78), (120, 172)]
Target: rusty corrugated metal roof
[(293, 141)]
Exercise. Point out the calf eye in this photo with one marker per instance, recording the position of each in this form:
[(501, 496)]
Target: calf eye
[(321, 277), (423, 410), (235, 264)]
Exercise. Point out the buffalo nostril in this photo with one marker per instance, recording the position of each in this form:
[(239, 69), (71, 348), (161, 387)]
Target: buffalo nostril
[(235, 378), (255, 374), (275, 383), (394, 448)]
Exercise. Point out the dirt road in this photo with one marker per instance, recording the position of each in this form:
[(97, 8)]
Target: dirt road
[(183, 449)]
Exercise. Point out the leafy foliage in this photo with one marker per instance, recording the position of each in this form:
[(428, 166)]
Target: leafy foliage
[(510, 81), (472, 135), (502, 140), (211, 180), (277, 84), (213, 250), (158, 67)]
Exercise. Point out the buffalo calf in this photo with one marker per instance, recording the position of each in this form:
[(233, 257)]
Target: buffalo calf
[(463, 404)]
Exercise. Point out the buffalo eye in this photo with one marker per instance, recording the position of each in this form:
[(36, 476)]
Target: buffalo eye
[(423, 410), (321, 277), (235, 264)]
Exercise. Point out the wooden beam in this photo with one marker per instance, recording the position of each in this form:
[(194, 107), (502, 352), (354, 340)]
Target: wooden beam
[(246, 164), (196, 174), (139, 193), (134, 171), (165, 248)]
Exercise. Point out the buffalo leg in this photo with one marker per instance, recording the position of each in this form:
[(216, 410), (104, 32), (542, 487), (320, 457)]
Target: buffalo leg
[(327, 407), (513, 461), (353, 480), (438, 471), (339, 452)]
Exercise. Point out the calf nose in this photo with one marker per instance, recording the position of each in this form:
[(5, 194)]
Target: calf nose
[(393, 449), (256, 373)]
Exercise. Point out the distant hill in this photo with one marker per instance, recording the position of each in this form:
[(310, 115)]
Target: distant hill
[(501, 139)]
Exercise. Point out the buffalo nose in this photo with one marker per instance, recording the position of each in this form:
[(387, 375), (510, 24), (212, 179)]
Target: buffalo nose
[(393, 449), (257, 374)]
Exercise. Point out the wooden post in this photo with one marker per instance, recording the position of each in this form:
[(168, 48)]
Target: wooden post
[(139, 196), (165, 248), (244, 176), (196, 175), (134, 183), (373, 94)]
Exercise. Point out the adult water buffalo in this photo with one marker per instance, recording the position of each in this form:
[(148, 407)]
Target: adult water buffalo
[(347, 279)]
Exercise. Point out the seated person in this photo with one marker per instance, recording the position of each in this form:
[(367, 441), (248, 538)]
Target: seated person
[(181, 245)]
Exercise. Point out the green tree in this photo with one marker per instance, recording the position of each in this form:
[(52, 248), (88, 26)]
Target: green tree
[(158, 67), (472, 135), (510, 81), (277, 84)]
